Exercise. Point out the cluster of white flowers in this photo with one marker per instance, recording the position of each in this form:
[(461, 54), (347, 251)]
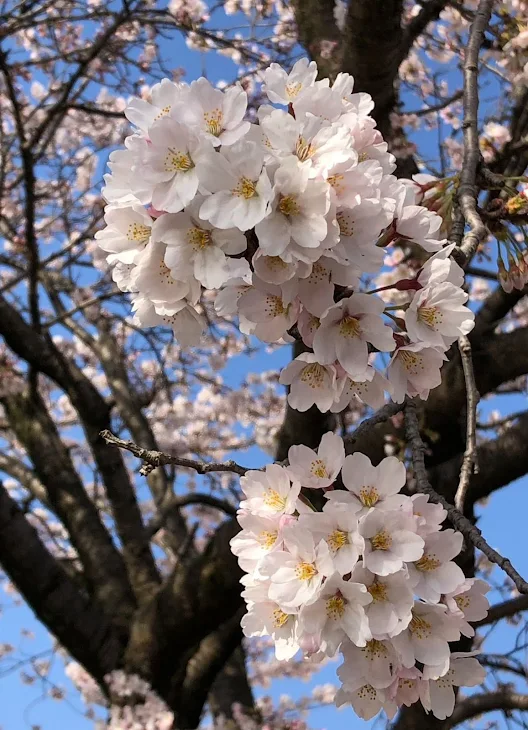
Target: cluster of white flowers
[(283, 218), (371, 575)]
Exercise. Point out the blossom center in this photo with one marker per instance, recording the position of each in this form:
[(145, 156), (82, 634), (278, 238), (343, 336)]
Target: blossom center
[(336, 181), (381, 541), (279, 618), (412, 362), (274, 500), (427, 563), (420, 628), (369, 496), (313, 375), (275, 263), (138, 232), (288, 205), (349, 327), (346, 224), (165, 273), (246, 189), (292, 90), (303, 149), (305, 571), (463, 601), (335, 606), (178, 161), (268, 538), (367, 692), (363, 156), (375, 650), (275, 306), (318, 469), (337, 539), (198, 238), (214, 121), (431, 316), (163, 112), (378, 591)]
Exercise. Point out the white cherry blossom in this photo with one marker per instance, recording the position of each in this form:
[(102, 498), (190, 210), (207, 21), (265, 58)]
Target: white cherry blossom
[(310, 383), (392, 601), (298, 210), (284, 88), (338, 612), (186, 323), (240, 186), (426, 637), (429, 515), (436, 573), (218, 115), (346, 330), (468, 602), (297, 573), (128, 230), (195, 248), (369, 391), (259, 535), (169, 164), (372, 664), (437, 315), (270, 308), (370, 486), (316, 469), (339, 529), (269, 492), (437, 696), (414, 370), (163, 99), (390, 541)]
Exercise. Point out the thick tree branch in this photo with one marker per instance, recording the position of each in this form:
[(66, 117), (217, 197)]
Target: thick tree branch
[(54, 597), (457, 519), (103, 566), (202, 668), (467, 190), (40, 352), (501, 461), (478, 704)]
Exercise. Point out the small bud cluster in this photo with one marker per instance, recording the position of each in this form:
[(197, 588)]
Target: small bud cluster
[(283, 219), (371, 576)]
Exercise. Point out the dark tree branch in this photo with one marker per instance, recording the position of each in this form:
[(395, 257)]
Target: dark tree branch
[(457, 519), (82, 628), (478, 704), (40, 352), (429, 13), (154, 459), (103, 566), (504, 610), (203, 667)]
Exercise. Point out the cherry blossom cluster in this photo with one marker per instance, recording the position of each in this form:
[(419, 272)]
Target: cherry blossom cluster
[(371, 575), (282, 220)]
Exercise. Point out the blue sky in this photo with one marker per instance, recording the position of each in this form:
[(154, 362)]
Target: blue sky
[(25, 706)]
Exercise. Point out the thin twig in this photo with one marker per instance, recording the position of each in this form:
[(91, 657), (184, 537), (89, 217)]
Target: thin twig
[(469, 463), (467, 190), (457, 519), (208, 500), (153, 459), (388, 410)]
